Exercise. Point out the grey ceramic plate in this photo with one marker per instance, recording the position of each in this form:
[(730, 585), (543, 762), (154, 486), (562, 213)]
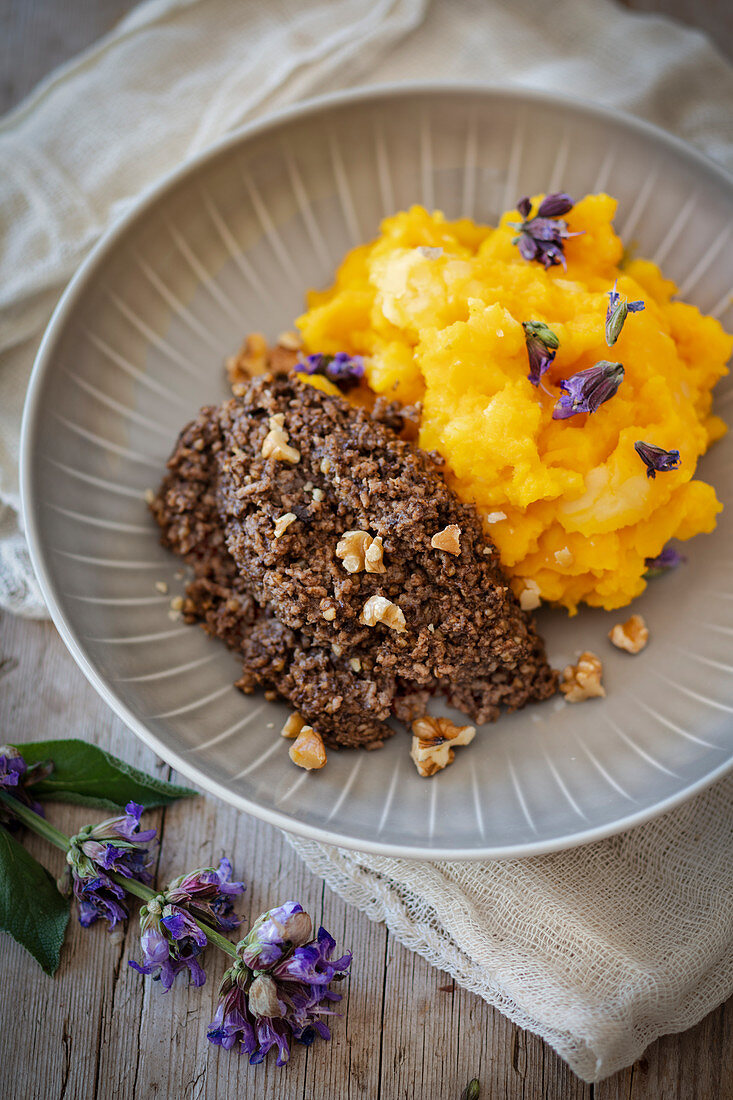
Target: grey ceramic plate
[(230, 243)]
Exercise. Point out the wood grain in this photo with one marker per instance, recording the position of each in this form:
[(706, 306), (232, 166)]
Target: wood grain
[(100, 1030)]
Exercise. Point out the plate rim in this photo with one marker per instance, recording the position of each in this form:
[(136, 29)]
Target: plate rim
[(31, 411)]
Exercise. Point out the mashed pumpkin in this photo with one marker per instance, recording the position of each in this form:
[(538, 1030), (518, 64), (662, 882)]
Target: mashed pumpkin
[(567, 502)]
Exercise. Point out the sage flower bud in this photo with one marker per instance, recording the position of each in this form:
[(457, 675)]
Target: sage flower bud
[(616, 314), (541, 344), (118, 845), (278, 989), (587, 390), (656, 459)]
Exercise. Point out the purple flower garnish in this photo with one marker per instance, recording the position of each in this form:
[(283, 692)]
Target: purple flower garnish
[(668, 558), (118, 845), (542, 237), (171, 942), (555, 205), (345, 371), (275, 933), (542, 344), (232, 1021), (656, 459), (587, 390), (209, 892), (278, 989), (616, 314), (171, 939), (15, 779)]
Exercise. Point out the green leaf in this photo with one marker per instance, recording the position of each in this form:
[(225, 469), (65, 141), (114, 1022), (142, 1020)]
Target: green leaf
[(32, 910), (89, 776)]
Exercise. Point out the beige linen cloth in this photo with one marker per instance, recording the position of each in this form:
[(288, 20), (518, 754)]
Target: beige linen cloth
[(598, 950)]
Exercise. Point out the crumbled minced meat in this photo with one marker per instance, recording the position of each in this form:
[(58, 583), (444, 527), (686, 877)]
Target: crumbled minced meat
[(466, 635)]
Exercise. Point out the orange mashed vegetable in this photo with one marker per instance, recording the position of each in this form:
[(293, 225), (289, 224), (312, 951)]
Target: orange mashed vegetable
[(567, 502)]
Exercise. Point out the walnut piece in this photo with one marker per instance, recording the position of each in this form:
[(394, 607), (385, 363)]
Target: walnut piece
[(293, 726), (529, 595), (290, 341), (256, 357), (360, 552), (433, 743), (276, 445), (378, 609), (631, 635), (564, 557), (308, 750), (583, 681), (283, 522), (449, 539), (251, 359)]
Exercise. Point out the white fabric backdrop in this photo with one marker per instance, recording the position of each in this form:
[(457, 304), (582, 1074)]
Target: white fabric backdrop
[(598, 950)]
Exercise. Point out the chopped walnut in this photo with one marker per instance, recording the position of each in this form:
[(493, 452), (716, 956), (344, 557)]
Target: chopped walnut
[(283, 522), (449, 539), (251, 359), (373, 557), (583, 681), (308, 750), (529, 595), (378, 609), (276, 445), (256, 357), (293, 726), (433, 742), (290, 341), (318, 495), (631, 635), (355, 663), (148, 496), (564, 557), (329, 614), (495, 517), (359, 551), (177, 603), (161, 586)]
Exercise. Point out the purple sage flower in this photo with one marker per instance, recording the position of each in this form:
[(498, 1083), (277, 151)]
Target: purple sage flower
[(668, 558), (542, 237), (542, 344), (170, 936), (587, 390), (118, 845), (209, 892), (656, 459), (233, 1023), (278, 989), (616, 314), (15, 779), (274, 934), (171, 941), (345, 371), (555, 205)]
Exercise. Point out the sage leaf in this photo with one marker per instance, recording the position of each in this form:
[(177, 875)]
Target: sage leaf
[(32, 910), (88, 776)]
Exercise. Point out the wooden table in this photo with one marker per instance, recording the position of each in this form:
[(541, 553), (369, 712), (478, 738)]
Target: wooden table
[(100, 1030)]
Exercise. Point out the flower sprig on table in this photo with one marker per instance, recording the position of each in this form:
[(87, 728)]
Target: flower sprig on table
[(278, 988)]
